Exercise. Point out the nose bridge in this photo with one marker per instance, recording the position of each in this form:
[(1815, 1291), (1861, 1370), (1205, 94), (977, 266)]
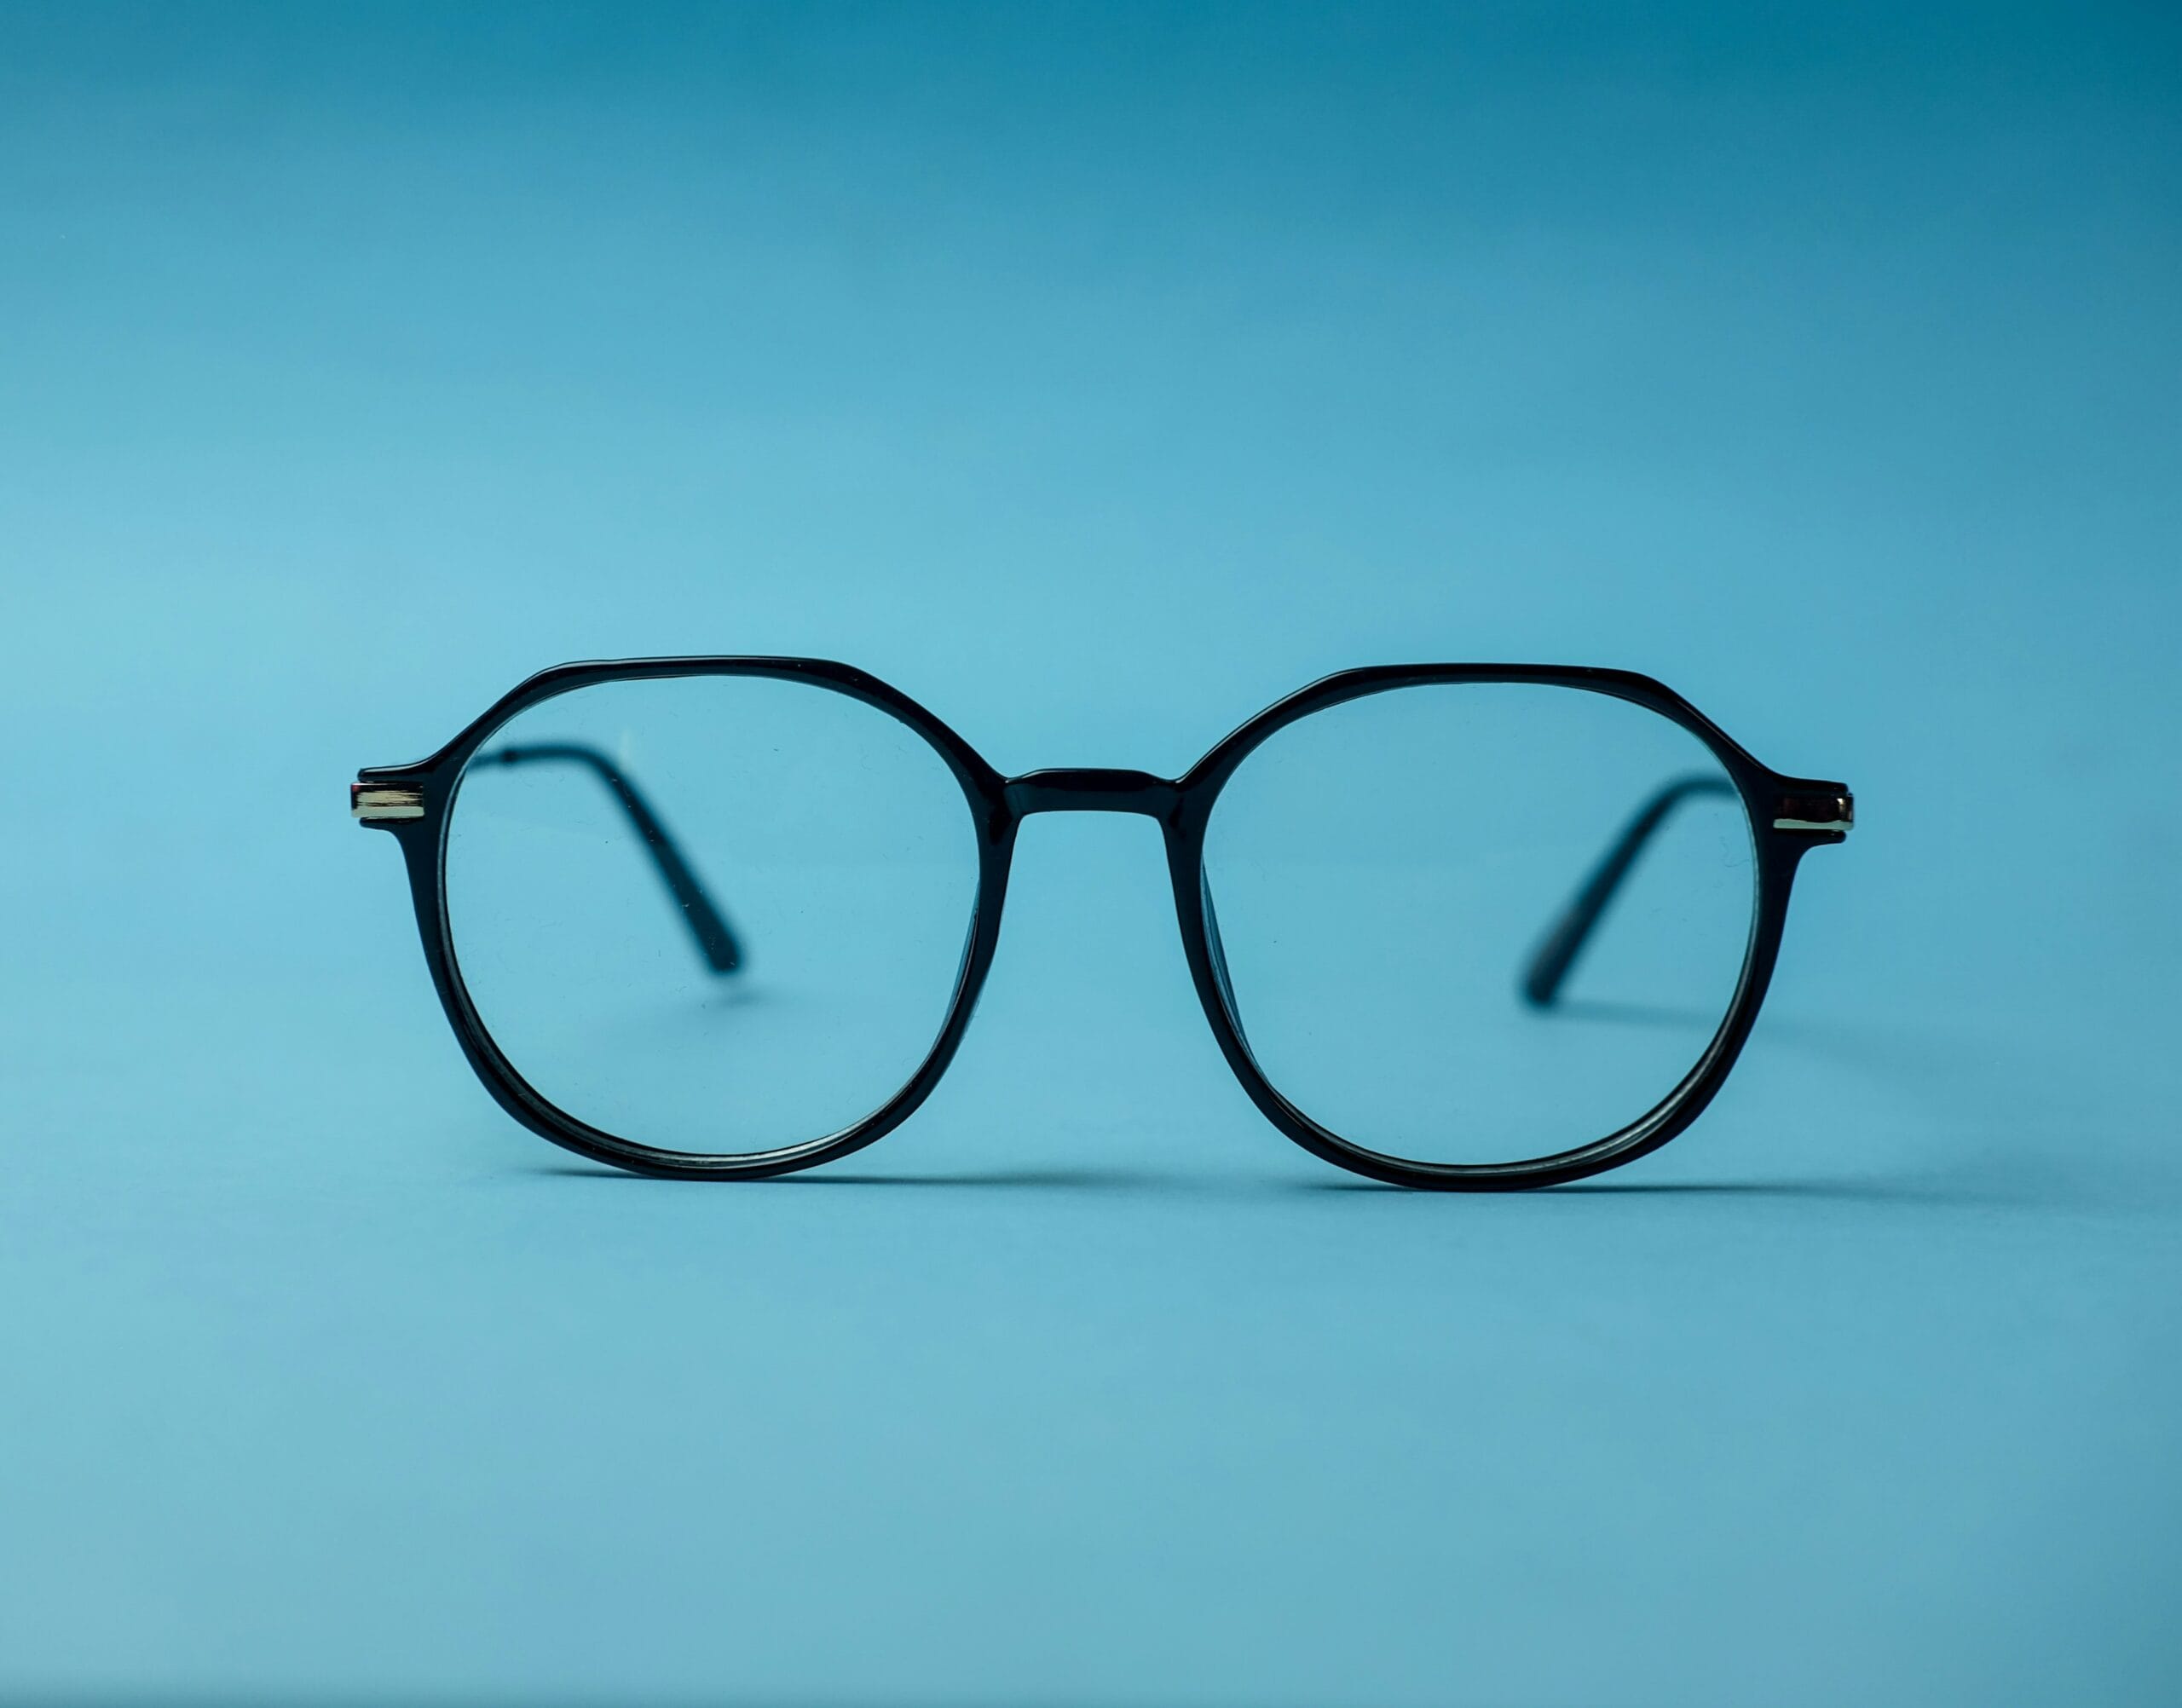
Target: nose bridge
[(1097, 790)]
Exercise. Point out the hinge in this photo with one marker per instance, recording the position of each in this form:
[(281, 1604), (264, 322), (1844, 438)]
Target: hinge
[(377, 803), (1833, 812)]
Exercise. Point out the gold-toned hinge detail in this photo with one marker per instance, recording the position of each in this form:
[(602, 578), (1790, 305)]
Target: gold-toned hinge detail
[(1834, 813), (375, 803)]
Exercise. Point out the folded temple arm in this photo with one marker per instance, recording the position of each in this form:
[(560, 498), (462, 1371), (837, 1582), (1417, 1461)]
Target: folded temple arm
[(1557, 953), (715, 942)]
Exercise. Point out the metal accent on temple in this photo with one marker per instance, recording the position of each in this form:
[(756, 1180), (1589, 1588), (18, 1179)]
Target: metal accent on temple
[(376, 803), (1833, 812)]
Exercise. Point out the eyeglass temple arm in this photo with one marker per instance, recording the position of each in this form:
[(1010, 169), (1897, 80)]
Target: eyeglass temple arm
[(716, 942), (1557, 952)]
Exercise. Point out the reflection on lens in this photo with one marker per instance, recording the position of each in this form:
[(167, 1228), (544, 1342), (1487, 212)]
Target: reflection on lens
[(1401, 885), (711, 915)]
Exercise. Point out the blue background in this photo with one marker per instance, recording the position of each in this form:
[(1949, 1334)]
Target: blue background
[(1096, 377)]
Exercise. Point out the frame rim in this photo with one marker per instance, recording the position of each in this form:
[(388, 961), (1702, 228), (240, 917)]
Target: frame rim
[(1776, 853), (1184, 808)]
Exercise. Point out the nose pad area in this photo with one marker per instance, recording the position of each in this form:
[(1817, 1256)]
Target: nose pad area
[(1217, 949)]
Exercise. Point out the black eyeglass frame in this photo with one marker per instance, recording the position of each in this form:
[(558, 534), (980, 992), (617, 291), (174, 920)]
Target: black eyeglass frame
[(1788, 817)]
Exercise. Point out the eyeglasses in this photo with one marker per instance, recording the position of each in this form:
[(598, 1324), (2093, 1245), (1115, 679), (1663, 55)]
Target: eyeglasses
[(1464, 926)]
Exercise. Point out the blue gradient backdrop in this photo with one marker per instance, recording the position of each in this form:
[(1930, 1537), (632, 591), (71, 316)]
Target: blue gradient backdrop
[(1098, 377)]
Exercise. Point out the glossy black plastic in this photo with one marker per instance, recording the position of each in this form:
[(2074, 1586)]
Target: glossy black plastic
[(1554, 958), (1183, 808), (715, 939)]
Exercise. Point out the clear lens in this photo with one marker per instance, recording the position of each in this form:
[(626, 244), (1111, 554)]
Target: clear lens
[(714, 914), (1386, 871)]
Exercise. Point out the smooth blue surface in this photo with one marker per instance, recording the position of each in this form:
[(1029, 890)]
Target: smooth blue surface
[(1098, 378)]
